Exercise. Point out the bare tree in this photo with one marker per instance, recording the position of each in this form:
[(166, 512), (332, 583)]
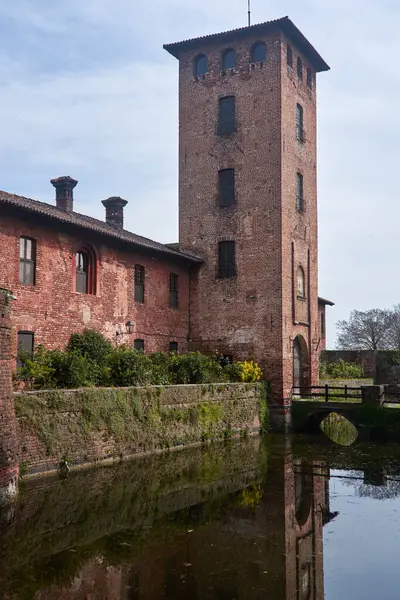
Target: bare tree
[(367, 330), (394, 331)]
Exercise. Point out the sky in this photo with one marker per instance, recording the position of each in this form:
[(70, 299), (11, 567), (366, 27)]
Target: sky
[(86, 90)]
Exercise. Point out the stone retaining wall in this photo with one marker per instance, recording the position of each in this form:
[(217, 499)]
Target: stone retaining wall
[(97, 424)]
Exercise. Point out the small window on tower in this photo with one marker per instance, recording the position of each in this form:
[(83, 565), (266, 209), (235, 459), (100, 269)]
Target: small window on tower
[(300, 283), (300, 192), (323, 324), (227, 115), (226, 259), (228, 60), (200, 65), (259, 52), (289, 56), (173, 347), (299, 123), (226, 193), (309, 78), (299, 68)]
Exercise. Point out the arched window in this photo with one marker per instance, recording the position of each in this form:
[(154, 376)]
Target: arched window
[(300, 283), (85, 261), (228, 59), (259, 52), (289, 56), (200, 65), (299, 68)]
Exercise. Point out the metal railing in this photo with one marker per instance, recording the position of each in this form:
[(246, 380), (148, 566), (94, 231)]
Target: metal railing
[(328, 393)]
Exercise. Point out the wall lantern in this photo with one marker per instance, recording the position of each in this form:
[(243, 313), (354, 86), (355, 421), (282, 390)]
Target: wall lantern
[(129, 327)]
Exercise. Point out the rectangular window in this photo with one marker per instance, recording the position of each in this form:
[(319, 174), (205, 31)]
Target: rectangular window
[(138, 345), (173, 290), (27, 261), (323, 324), (227, 115), (25, 343), (309, 78), (226, 181), (173, 347), (299, 123), (289, 56), (300, 192), (226, 259), (139, 283)]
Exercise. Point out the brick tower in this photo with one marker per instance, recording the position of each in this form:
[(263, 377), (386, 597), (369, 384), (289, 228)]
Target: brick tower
[(8, 430), (248, 196)]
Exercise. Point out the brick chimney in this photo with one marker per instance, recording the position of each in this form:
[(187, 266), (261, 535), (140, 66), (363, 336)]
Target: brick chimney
[(64, 192), (115, 211)]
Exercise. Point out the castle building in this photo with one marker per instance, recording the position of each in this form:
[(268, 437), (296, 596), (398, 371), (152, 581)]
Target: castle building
[(243, 279)]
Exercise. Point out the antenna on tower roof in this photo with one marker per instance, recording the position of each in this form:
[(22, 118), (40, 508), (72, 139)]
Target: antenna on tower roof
[(249, 11)]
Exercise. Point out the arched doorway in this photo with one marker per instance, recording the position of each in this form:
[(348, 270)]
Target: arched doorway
[(300, 364)]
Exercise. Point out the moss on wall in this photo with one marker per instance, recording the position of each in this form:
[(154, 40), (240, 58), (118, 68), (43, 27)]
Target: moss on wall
[(94, 423)]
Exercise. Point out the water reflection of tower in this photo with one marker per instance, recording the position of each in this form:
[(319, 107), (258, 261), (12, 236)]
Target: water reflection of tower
[(307, 511)]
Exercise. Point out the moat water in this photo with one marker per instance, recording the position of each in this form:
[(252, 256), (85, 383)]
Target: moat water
[(279, 518)]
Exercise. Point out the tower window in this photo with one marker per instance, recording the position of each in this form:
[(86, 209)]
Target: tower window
[(299, 68), (227, 115), (226, 259), (259, 52), (309, 78), (173, 290), (85, 271), (289, 56), (27, 261), (300, 283), (228, 59), (139, 283), (300, 192), (323, 324), (173, 347), (138, 345), (299, 123), (226, 182), (200, 65)]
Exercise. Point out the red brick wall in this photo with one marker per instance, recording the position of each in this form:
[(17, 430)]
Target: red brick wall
[(253, 313), (53, 310), (299, 229), (8, 435)]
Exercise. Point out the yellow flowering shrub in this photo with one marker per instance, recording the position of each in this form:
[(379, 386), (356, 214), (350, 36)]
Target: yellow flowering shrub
[(249, 371)]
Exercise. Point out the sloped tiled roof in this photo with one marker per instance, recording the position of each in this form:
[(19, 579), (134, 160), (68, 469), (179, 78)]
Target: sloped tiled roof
[(284, 24), (325, 301), (91, 224)]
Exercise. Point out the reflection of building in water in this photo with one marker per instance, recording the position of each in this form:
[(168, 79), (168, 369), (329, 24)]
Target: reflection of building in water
[(264, 541)]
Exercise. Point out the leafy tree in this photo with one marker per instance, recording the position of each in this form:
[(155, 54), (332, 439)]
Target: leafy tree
[(366, 330)]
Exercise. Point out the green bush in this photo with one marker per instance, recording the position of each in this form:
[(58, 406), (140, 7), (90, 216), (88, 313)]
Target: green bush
[(91, 360), (341, 370), (90, 343)]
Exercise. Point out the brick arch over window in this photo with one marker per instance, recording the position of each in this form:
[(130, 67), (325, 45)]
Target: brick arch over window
[(86, 270), (200, 65)]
